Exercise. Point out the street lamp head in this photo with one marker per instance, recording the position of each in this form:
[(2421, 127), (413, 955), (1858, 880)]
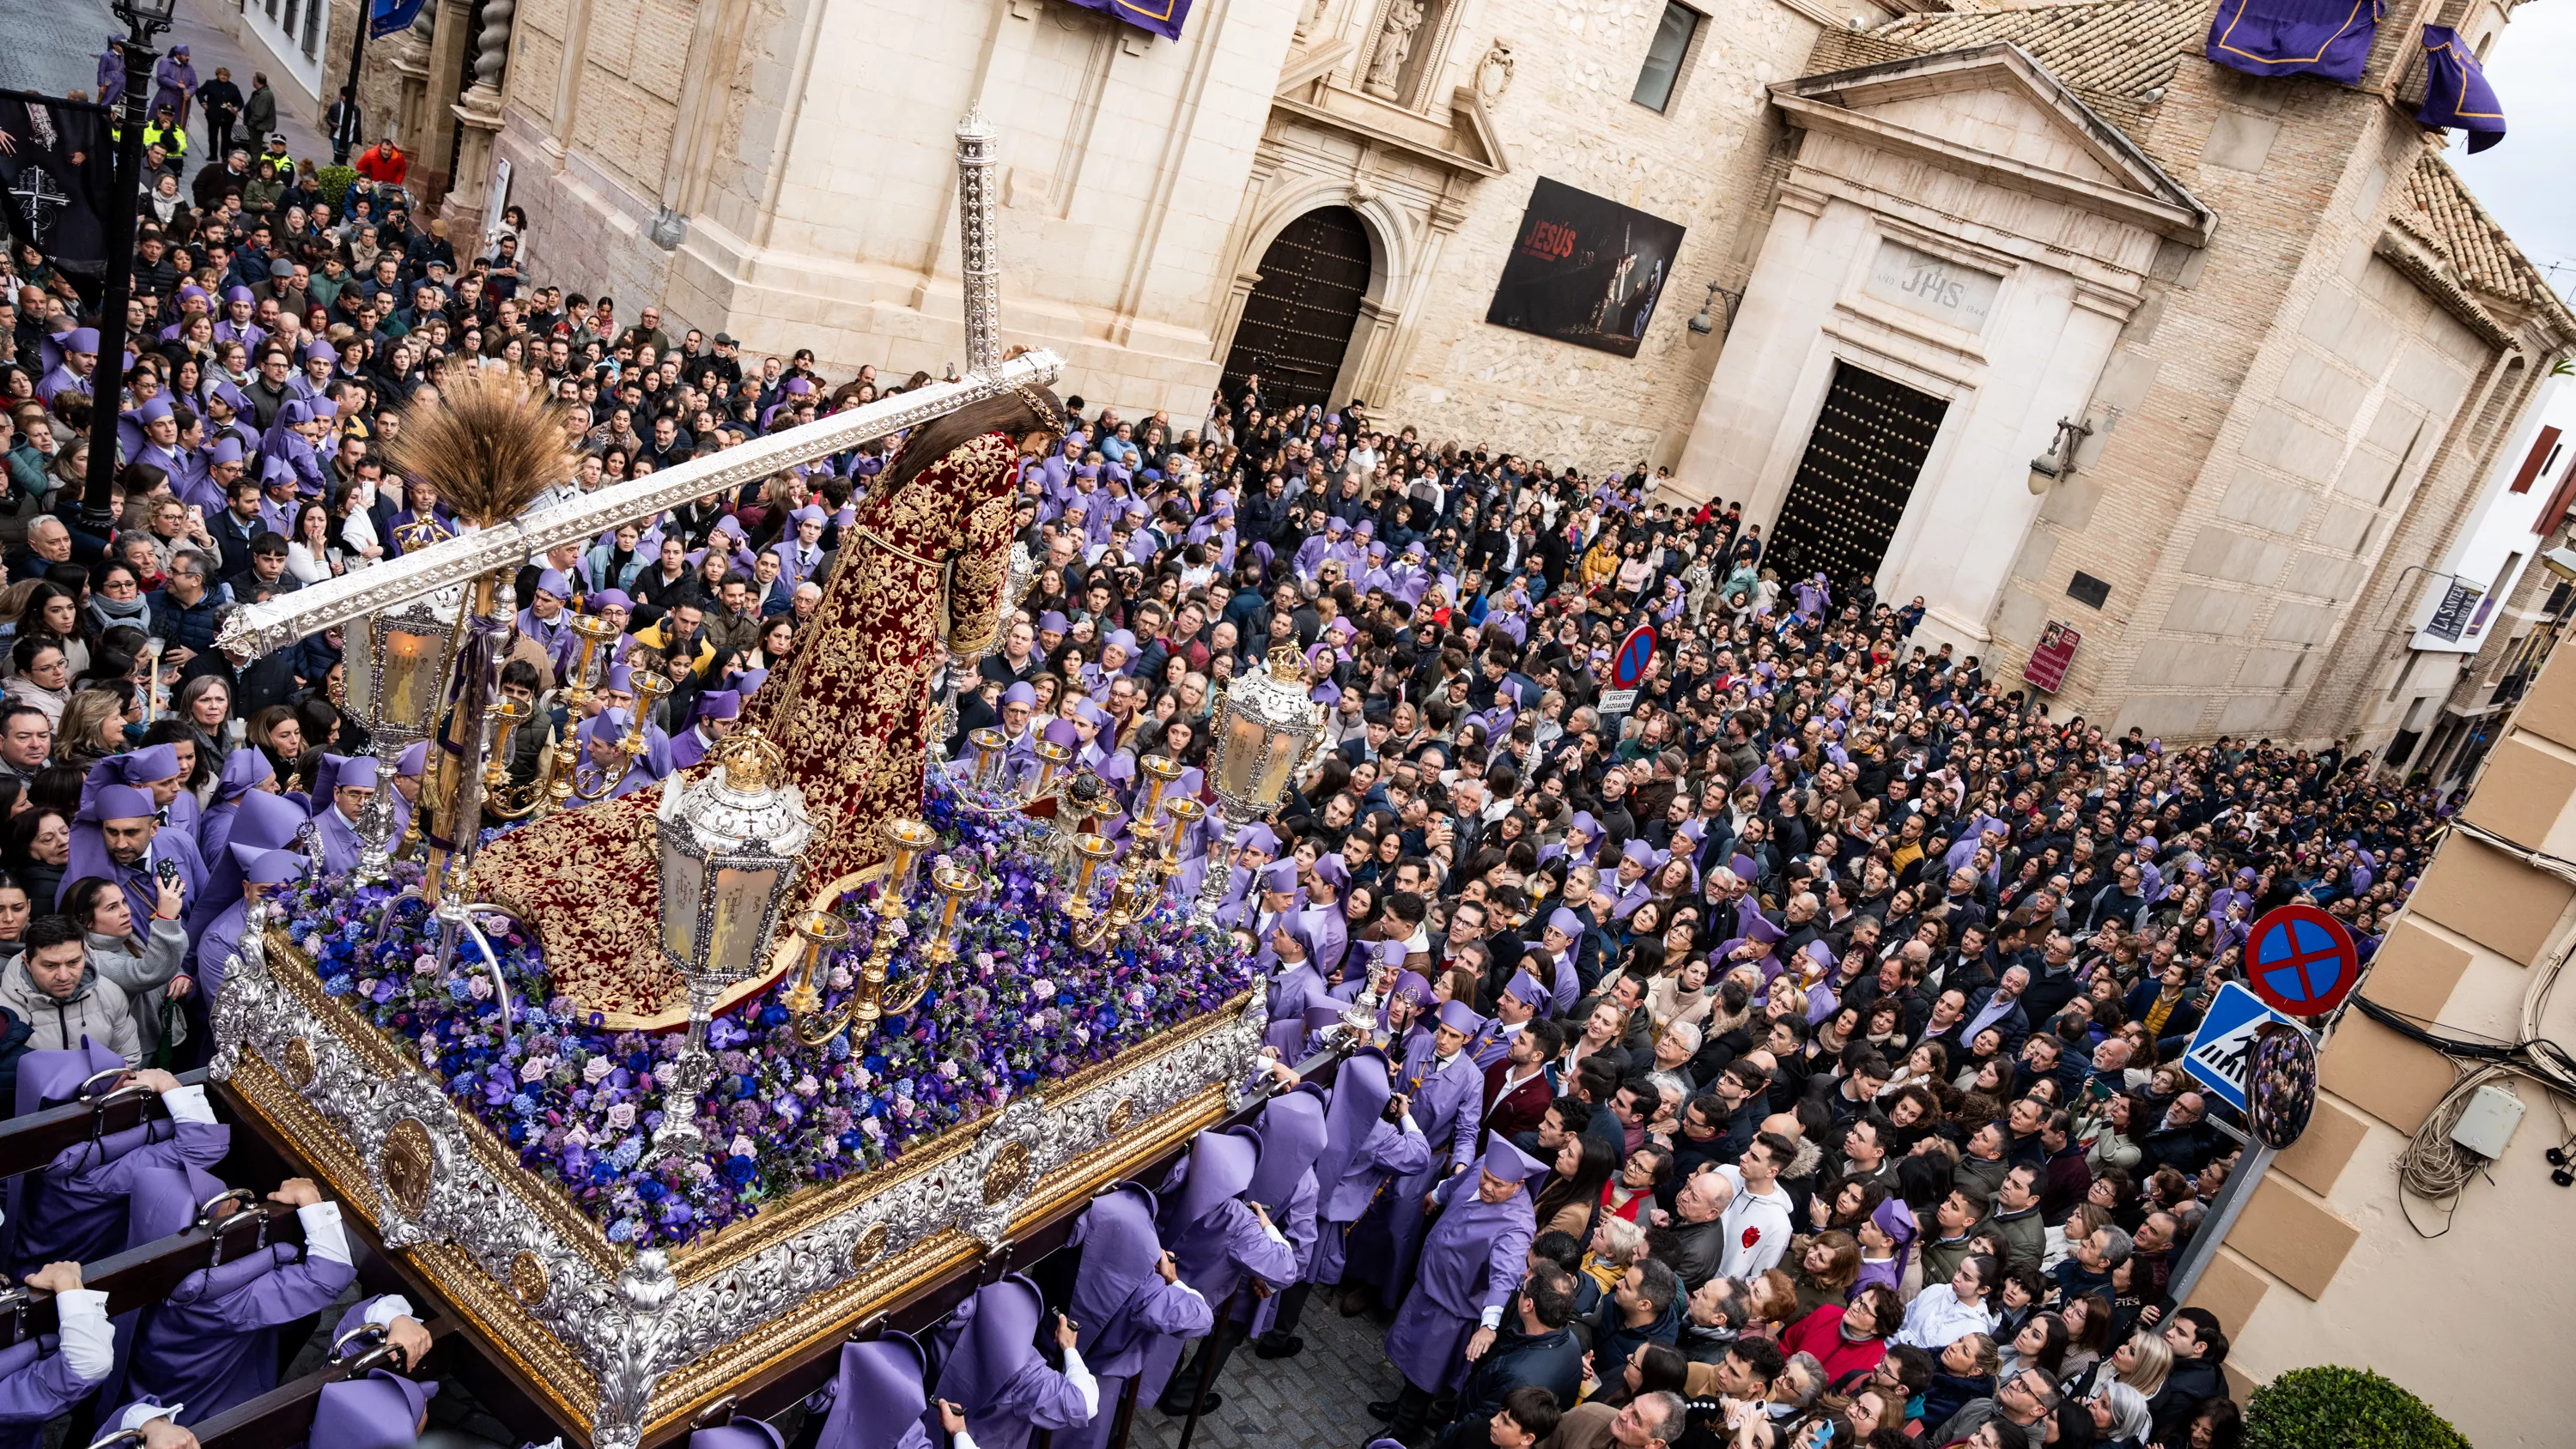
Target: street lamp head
[(147, 16)]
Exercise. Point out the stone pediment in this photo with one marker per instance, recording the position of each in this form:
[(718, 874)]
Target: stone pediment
[(1459, 138), (1994, 112)]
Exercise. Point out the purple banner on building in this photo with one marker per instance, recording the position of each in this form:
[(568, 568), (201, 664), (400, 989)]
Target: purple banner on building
[(1163, 17), (2330, 38), (2456, 92)]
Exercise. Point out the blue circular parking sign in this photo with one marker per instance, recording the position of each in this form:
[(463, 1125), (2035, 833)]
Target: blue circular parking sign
[(2301, 961)]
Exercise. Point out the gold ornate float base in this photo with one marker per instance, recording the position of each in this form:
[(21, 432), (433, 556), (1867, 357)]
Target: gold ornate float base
[(621, 1346)]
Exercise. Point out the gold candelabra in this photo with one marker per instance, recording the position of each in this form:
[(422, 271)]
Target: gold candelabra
[(1153, 858), (582, 780), (822, 934)]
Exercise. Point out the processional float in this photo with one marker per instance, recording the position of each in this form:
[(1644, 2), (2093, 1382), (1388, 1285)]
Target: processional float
[(616, 1218)]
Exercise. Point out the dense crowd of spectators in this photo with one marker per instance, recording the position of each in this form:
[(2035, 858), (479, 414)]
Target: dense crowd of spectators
[(1828, 990)]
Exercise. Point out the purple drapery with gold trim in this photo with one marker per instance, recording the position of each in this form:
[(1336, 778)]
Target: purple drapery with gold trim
[(2329, 38), (1163, 17), (2456, 92)]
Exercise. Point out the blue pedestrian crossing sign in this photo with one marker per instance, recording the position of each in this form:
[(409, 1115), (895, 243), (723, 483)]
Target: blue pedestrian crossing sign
[(2224, 1043)]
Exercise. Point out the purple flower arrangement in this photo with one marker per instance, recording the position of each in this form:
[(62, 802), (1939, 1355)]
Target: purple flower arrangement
[(1018, 1006)]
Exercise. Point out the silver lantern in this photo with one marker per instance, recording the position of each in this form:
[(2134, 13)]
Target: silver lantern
[(398, 667), (1265, 728), (728, 845)]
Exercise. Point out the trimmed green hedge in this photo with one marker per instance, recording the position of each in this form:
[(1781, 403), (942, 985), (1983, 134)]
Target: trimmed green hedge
[(2342, 1408), (334, 181)]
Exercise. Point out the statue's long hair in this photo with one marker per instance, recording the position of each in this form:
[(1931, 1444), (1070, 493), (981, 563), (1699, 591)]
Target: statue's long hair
[(1006, 413)]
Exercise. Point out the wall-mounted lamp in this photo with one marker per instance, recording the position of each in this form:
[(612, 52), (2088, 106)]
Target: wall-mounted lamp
[(2059, 460), (1703, 323)]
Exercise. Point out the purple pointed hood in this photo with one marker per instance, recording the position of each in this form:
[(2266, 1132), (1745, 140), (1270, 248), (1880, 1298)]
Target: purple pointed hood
[(56, 1076), (877, 1397), (381, 1411), (1292, 1137), (997, 1332), (1361, 1088), (745, 1432), (1223, 1162)]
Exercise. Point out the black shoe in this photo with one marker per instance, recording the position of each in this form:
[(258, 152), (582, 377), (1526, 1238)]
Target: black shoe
[(1277, 1346), (1382, 1410), (1354, 1302), (1180, 1409)]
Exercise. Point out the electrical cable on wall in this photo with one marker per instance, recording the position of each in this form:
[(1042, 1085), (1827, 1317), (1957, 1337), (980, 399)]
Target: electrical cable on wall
[(2435, 1167)]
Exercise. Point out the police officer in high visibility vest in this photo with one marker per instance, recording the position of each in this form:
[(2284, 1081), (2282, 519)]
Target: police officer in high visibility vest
[(164, 131)]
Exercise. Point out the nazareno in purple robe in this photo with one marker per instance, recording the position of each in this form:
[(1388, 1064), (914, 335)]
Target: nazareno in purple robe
[(1361, 1151), (89, 857), (1448, 1100), (1472, 1260), (260, 818), (991, 1369), (1212, 1234), (1132, 1323), (75, 1209), (741, 1432), (384, 1410), (876, 1399), (39, 1380), (212, 1343), (1292, 1136)]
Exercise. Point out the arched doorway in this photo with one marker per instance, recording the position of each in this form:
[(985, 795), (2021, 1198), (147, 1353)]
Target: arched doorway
[(1298, 321)]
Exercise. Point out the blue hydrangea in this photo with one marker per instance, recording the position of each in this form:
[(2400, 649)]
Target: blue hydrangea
[(524, 1105), (628, 1153), (622, 1230)]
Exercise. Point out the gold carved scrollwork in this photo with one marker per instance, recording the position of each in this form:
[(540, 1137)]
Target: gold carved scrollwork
[(1009, 1170), (295, 1064), (409, 1163), (870, 1246), (1122, 1117)]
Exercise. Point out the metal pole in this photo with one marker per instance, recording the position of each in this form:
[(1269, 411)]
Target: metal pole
[(1126, 1412), (357, 54), (107, 379), (2241, 1182), (1198, 1395)]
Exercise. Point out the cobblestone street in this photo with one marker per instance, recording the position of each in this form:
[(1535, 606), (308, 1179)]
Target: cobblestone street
[(1316, 1400)]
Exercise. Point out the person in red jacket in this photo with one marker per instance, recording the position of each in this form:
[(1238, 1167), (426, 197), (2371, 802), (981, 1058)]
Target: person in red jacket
[(1845, 1337), (384, 163)]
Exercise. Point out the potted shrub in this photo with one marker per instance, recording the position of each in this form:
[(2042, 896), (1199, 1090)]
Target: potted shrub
[(2342, 1408)]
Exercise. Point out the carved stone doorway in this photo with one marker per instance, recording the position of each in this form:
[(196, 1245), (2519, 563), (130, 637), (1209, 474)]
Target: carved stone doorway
[(1297, 324)]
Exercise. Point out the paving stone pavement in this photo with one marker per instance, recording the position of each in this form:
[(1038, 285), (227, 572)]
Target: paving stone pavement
[(52, 47), (1317, 1400)]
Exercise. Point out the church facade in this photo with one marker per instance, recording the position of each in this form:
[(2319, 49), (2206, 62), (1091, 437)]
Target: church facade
[(1851, 266)]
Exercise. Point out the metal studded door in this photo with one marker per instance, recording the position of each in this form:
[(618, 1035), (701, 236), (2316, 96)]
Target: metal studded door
[(1852, 485), (1297, 324)]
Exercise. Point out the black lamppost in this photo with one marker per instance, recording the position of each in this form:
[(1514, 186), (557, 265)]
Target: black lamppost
[(143, 19)]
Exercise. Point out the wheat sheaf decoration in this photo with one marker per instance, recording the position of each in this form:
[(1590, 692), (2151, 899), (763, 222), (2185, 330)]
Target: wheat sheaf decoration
[(485, 441)]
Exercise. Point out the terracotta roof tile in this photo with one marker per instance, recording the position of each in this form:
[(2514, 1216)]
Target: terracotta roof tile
[(2120, 48)]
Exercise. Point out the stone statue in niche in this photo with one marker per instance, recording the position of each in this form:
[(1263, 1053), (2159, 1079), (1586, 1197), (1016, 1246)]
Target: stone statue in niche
[(1394, 48), (1494, 72)]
